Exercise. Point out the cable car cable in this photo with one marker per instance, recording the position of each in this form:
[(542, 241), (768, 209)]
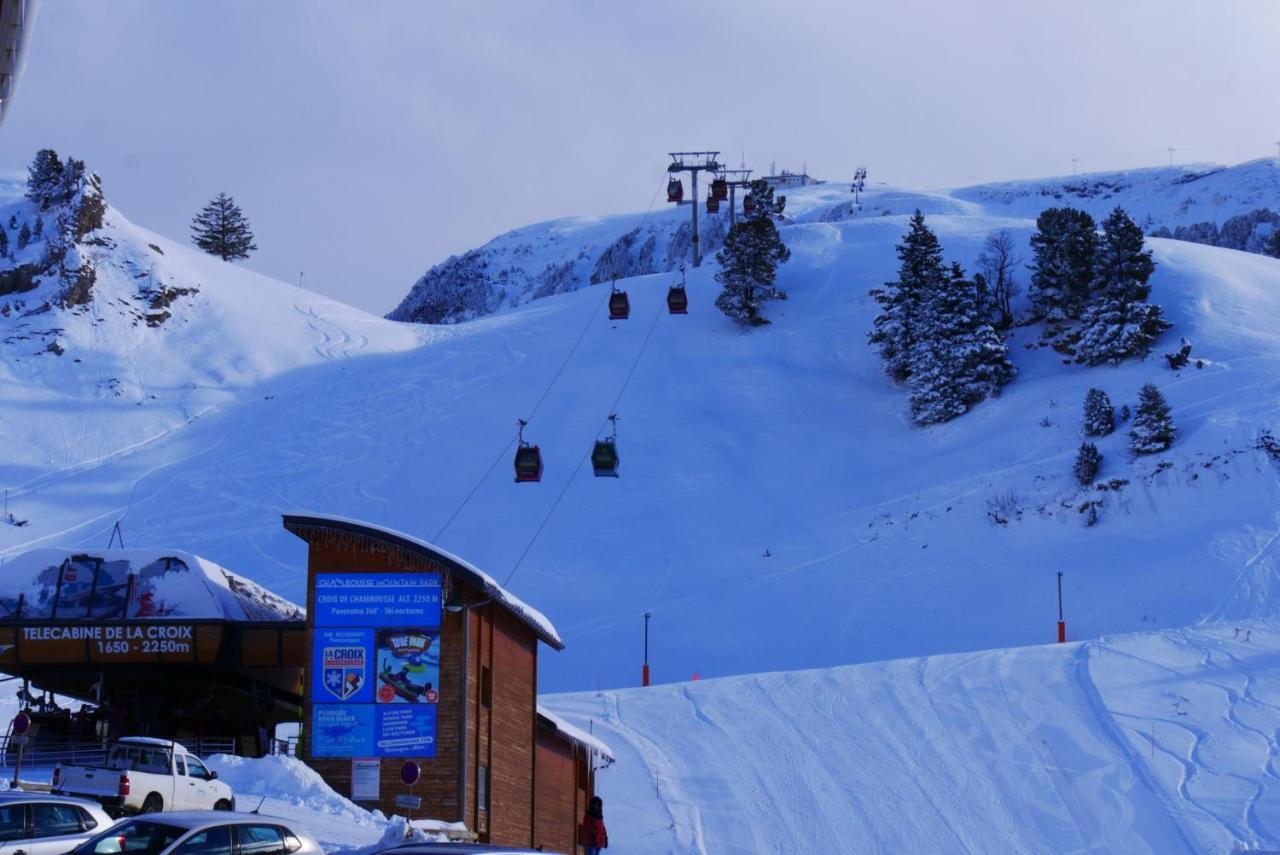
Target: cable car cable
[(507, 448), (613, 409)]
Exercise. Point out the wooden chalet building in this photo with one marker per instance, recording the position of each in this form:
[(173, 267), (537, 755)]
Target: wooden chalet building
[(461, 704)]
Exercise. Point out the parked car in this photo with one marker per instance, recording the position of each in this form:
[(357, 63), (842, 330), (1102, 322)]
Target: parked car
[(460, 849), (43, 824), (202, 833), (145, 775)]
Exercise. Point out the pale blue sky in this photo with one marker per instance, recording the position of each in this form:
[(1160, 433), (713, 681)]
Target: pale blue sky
[(367, 141)]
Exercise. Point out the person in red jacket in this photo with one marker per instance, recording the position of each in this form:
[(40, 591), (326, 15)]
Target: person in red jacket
[(592, 834)]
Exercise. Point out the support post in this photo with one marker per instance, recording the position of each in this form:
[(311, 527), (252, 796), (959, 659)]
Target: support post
[(644, 674), (697, 248), (733, 204), (1062, 624)]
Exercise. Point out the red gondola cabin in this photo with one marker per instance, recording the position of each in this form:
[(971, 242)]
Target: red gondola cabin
[(528, 463), (619, 306), (719, 189), (675, 190), (678, 300)]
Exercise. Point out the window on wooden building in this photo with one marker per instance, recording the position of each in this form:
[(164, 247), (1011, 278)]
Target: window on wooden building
[(482, 788)]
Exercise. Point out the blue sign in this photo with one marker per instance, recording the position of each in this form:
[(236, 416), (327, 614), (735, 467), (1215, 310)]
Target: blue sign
[(377, 599), (406, 731), (342, 730), (341, 666), (375, 664)]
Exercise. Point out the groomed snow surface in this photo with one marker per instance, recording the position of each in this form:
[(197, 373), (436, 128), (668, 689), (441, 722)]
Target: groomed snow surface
[(1157, 742)]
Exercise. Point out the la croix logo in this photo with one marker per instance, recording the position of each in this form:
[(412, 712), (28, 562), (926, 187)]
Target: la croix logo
[(344, 670)]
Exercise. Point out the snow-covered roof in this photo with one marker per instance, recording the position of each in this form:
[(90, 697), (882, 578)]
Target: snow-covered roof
[(577, 734), (133, 584), (473, 575)]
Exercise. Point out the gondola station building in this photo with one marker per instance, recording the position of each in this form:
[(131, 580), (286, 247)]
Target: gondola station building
[(420, 693), (406, 659)]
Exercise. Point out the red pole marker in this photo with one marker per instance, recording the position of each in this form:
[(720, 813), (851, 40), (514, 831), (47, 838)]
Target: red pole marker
[(1062, 632), (644, 676), (1062, 623)]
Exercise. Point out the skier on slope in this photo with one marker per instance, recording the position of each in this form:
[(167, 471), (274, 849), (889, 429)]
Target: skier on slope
[(592, 833)]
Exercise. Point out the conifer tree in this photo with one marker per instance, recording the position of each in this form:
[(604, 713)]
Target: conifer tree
[(45, 177), (1119, 321), (1099, 415), (4, 243), (221, 229), (1153, 428), (1064, 247), (13, 221), (1272, 245), (957, 358), (39, 229), (24, 236), (920, 272), (749, 259), (1088, 461)]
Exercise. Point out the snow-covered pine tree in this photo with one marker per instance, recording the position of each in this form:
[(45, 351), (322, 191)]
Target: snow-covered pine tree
[(13, 221), (957, 358), (1272, 245), (38, 231), (1088, 461), (1099, 415), (1119, 322), (221, 229), (24, 236), (1063, 246), (4, 243), (920, 272), (749, 259), (1153, 428), (44, 178)]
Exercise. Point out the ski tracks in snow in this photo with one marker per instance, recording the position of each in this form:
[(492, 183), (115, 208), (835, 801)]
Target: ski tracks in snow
[(336, 341)]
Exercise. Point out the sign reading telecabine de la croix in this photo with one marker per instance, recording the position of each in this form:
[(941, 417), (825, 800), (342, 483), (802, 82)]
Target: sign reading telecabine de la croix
[(375, 664)]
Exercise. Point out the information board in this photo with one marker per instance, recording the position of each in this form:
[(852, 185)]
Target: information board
[(375, 664)]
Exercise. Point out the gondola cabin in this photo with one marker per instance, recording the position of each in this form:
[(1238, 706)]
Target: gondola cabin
[(675, 190), (619, 306), (604, 458), (719, 189), (713, 205), (528, 463), (678, 300)]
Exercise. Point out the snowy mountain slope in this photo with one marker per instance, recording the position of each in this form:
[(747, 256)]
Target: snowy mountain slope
[(1165, 197), (770, 481), (1155, 742), (166, 333), (568, 254)]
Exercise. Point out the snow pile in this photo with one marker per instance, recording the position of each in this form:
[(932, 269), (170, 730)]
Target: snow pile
[(134, 584), (286, 787), (1159, 742)]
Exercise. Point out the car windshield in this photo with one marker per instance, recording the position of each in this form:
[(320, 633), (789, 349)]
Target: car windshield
[(137, 836)]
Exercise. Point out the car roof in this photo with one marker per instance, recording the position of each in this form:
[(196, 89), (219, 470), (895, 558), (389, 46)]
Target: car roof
[(24, 796), (459, 849), (193, 819), (150, 741)]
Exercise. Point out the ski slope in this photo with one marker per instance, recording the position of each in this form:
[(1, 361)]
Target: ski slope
[(775, 510), (1159, 742)]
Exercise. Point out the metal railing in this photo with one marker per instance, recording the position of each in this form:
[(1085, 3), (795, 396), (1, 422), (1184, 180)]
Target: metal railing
[(51, 752)]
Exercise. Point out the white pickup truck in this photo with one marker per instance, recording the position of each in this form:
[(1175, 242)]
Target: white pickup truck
[(145, 775)]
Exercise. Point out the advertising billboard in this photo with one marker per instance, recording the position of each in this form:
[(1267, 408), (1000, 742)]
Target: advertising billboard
[(375, 664)]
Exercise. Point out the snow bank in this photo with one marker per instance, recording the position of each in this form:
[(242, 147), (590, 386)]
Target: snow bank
[(287, 787)]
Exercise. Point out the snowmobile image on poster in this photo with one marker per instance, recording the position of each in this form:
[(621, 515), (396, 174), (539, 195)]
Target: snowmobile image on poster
[(408, 666)]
